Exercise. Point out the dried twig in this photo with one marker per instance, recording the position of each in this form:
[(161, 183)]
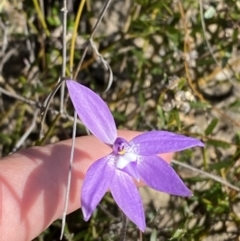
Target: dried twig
[(91, 36), (27, 133), (64, 53), (206, 174), (18, 97)]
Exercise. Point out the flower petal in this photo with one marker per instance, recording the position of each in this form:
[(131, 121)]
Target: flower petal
[(128, 199), (159, 175), (156, 142), (96, 183), (93, 112), (131, 169)]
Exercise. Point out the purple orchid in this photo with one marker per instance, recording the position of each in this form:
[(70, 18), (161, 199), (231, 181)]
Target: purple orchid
[(136, 159)]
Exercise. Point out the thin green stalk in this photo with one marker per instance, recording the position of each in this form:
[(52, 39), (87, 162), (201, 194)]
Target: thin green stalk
[(41, 17)]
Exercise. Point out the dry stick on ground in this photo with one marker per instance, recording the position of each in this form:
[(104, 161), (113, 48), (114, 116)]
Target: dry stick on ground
[(27, 132), (206, 174), (46, 105), (36, 104), (22, 99)]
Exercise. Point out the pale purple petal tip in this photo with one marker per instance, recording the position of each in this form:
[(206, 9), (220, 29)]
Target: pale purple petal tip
[(128, 199), (159, 175), (96, 183), (156, 142), (93, 112)]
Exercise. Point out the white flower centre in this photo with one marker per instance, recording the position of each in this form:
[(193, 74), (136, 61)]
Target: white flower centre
[(123, 160)]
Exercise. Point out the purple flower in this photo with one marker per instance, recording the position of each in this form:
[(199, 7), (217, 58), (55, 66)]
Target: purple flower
[(136, 159)]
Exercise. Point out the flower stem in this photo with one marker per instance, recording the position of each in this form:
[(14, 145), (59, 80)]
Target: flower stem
[(123, 231)]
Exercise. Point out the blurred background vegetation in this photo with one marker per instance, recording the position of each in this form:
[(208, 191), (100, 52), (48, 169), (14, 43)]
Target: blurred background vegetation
[(175, 67)]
